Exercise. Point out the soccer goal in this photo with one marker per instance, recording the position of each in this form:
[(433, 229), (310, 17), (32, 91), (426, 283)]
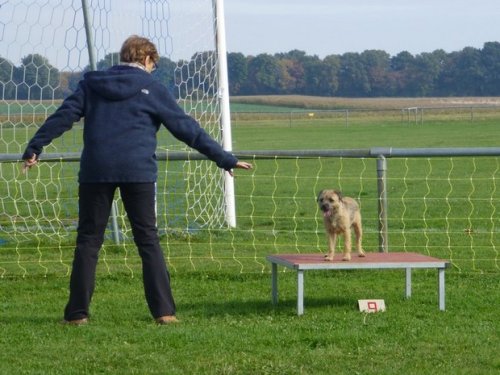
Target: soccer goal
[(46, 47)]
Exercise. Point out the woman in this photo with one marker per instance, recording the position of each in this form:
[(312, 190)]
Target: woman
[(123, 108)]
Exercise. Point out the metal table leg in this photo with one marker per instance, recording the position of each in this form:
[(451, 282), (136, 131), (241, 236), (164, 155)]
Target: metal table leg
[(274, 283), (408, 283), (441, 291), (300, 292)]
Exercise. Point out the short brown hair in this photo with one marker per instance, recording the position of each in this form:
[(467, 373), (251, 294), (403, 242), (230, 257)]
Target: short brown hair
[(136, 48)]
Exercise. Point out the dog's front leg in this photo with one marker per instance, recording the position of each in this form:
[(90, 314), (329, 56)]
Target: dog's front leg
[(359, 235), (347, 244), (332, 242)]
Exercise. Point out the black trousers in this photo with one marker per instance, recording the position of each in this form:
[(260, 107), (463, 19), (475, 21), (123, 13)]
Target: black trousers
[(95, 201)]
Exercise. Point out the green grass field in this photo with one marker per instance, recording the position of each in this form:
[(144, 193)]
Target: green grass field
[(229, 325)]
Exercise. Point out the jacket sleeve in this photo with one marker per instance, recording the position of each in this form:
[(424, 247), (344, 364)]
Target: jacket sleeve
[(188, 130), (70, 111)]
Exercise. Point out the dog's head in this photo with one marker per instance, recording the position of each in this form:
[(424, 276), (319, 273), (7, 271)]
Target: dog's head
[(329, 201)]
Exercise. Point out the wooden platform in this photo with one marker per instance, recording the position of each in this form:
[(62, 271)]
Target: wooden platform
[(407, 261)]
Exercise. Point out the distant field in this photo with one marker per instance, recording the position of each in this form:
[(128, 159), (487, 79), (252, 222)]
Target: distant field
[(284, 103), (314, 102), (293, 122), (326, 134)]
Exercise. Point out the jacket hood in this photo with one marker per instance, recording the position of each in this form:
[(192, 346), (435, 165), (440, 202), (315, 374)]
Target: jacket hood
[(119, 82)]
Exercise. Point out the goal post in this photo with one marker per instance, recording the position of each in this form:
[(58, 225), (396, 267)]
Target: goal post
[(227, 142)]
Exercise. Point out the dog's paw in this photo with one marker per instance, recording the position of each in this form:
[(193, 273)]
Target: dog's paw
[(346, 257), (328, 258), (361, 253)]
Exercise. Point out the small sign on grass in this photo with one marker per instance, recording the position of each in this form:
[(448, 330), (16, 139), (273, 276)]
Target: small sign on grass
[(371, 305)]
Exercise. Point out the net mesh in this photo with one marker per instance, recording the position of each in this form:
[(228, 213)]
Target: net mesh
[(44, 54)]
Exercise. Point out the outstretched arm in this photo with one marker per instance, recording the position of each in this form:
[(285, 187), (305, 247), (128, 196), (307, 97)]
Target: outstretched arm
[(70, 111)]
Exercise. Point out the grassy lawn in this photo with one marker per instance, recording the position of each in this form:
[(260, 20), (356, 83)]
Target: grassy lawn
[(230, 327)]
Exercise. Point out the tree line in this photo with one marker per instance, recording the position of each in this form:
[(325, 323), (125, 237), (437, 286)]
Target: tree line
[(372, 73)]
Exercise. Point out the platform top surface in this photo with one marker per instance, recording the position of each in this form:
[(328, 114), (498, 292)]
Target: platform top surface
[(371, 260)]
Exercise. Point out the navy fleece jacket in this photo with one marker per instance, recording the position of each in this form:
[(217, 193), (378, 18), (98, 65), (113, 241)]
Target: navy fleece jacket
[(123, 108)]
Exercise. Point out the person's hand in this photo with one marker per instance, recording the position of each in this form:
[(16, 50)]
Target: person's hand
[(28, 163), (241, 165)]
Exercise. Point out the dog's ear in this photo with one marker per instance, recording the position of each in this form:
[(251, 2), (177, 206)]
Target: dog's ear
[(319, 195), (339, 194)]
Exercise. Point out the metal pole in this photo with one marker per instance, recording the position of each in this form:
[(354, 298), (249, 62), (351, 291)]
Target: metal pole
[(227, 142), (114, 220), (382, 203), (88, 33), (93, 66)]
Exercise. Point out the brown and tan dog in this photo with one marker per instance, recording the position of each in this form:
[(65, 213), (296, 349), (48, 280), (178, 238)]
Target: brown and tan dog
[(339, 215)]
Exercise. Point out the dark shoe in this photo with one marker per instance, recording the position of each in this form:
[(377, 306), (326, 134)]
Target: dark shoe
[(167, 319), (75, 322)]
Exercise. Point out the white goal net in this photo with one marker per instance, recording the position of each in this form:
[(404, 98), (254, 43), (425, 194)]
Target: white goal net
[(45, 47)]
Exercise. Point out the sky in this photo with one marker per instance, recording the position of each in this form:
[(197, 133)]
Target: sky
[(317, 27), (325, 27)]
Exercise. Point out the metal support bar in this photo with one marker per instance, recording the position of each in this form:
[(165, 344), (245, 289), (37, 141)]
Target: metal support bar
[(284, 154), (93, 66), (382, 204), (114, 221), (88, 34)]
